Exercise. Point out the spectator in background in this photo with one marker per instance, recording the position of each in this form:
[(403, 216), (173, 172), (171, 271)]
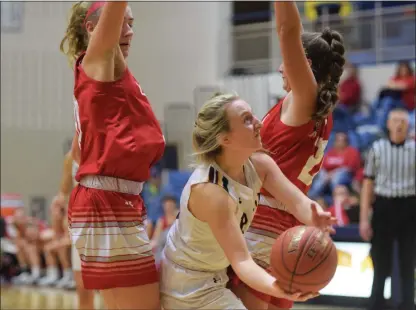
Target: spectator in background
[(350, 89), (171, 210), (151, 195), (339, 166), (29, 240), (349, 93), (398, 93), (345, 206)]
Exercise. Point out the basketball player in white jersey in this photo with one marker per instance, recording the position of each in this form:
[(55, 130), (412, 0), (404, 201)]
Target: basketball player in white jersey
[(217, 206)]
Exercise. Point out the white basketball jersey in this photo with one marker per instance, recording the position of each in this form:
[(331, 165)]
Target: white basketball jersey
[(190, 242)]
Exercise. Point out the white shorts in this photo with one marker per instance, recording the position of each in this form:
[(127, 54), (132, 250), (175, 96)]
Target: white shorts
[(182, 288), (76, 260)]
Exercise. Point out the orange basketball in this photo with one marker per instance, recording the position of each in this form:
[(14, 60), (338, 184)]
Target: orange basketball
[(303, 259)]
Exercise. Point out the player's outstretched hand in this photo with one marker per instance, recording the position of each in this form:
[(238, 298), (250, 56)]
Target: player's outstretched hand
[(296, 297), (322, 219)]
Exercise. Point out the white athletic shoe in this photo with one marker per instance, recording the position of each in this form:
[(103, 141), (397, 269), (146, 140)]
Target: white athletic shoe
[(30, 280), (48, 281), (71, 285), (21, 278), (64, 281)]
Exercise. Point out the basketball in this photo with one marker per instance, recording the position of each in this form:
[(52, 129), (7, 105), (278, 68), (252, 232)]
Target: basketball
[(303, 259)]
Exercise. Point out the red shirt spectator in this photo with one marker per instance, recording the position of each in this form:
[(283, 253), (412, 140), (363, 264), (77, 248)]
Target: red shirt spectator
[(350, 88), (342, 155), (408, 96), (404, 80)]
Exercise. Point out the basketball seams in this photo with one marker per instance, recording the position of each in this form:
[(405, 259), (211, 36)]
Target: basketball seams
[(298, 259), (300, 252), (328, 249)]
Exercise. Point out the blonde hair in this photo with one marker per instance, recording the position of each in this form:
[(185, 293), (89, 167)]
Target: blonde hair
[(75, 40), (210, 122)]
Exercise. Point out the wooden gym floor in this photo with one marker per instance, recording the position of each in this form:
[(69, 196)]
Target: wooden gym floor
[(25, 297)]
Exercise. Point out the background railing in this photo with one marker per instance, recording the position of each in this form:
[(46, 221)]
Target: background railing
[(372, 36)]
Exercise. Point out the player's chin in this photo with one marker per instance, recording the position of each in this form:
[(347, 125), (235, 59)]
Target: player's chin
[(125, 53)]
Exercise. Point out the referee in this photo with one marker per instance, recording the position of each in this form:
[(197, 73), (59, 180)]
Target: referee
[(390, 178)]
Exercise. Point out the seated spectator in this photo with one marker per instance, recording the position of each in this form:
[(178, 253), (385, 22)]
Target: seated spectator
[(345, 207), (9, 266), (358, 178), (339, 166), (30, 236), (58, 248), (171, 210), (350, 89), (398, 93), (349, 93), (151, 195)]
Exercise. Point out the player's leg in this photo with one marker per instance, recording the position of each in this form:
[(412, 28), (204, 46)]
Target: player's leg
[(125, 273), (85, 297), (137, 297)]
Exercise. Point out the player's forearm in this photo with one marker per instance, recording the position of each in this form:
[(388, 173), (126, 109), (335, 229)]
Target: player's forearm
[(366, 197), (255, 276), (277, 184), (303, 211)]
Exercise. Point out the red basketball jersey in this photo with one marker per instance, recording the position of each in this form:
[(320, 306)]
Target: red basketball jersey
[(118, 133), (298, 151)]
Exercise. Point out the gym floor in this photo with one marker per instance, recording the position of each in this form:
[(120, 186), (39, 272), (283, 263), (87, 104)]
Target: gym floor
[(13, 297)]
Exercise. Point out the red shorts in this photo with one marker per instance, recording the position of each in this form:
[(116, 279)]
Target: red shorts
[(108, 232), (267, 225)]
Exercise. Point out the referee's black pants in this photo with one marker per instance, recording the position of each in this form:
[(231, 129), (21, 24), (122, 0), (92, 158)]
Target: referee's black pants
[(393, 219)]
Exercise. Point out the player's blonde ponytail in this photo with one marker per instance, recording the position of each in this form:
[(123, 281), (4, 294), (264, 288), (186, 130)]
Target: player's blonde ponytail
[(211, 121), (75, 40)]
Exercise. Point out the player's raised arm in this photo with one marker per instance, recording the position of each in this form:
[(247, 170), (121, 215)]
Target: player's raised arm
[(105, 36), (296, 64), (276, 183), (213, 205)]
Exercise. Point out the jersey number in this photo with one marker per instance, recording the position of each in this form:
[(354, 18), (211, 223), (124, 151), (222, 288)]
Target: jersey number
[(243, 222), (313, 164)]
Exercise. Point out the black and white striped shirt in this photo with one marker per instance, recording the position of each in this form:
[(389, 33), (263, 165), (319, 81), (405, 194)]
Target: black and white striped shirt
[(392, 167)]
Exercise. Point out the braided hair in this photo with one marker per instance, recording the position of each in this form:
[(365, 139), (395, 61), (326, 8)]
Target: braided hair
[(326, 52)]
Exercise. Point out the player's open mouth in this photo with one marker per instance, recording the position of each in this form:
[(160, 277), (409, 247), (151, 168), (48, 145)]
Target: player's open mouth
[(124, 44)]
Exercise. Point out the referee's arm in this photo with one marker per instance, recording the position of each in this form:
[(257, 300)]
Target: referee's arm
[(367, 192)]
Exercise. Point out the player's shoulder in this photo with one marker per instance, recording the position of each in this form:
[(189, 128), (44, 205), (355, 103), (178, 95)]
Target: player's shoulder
[(209, 196)]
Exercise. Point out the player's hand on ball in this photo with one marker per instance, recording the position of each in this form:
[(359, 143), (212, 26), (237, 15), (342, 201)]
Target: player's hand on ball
[(322, 219), (297, 297)]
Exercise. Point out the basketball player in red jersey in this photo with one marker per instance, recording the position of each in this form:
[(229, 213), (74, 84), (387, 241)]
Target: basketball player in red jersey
[(118, 139), (295, 131)]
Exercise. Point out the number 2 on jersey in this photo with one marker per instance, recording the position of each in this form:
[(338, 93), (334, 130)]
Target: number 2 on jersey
[(313, 164)]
